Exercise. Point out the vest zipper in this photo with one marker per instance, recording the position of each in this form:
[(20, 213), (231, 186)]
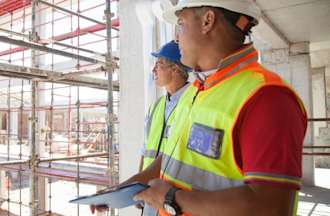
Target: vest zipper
[(196, 94)]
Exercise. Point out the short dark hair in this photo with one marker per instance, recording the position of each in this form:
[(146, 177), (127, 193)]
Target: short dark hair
[(231, 18)]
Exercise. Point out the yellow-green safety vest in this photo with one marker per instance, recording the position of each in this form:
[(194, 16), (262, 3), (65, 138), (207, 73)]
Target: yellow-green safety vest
[(157, 131), (199, 153)]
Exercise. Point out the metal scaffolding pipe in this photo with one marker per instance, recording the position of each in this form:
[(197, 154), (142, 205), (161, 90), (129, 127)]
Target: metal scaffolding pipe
[(318, 119), (83, 72), (52, 76), (74, 157), (14, 33), (312, 147), (49, 41), (71, 12), (18, 162), (316, 154), (33, 144), (65, 36), (14, 162), (39, 47), (110, 118)]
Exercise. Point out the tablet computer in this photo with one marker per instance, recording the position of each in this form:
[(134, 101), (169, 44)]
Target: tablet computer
[(118, 198)]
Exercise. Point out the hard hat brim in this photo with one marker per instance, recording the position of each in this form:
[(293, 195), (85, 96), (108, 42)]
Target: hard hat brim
[(170, 16), (156, 55)]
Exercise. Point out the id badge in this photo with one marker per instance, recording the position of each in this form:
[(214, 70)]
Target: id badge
[(205, 140)]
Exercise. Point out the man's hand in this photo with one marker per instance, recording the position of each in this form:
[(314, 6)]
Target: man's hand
[(102, 208), (99, 208), (155, 194), (139, 206), (151, 172)]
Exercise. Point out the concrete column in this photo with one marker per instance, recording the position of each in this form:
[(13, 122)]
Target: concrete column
[(321, 129), (137, 30), (293, 65), (319, 101), (327, 83), (41, 17)]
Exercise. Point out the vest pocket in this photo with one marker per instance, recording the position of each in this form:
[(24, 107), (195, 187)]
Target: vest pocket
[(205, 140)]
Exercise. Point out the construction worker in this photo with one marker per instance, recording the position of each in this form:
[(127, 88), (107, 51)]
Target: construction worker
[(170, 73), (235, 147)]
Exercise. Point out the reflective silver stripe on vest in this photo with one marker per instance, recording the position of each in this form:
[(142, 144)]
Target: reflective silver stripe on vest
[(236, 57), (199, 179), (150, 153), (234, 70)]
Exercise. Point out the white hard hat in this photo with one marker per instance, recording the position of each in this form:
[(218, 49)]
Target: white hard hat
[(247, 7)]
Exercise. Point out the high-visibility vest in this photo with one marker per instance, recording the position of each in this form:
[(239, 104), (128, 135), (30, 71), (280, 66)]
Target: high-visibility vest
[(199, 153), (156, 131)]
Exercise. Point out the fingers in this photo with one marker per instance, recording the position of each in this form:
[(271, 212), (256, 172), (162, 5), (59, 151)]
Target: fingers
[(138, 197), (139, 206), (99, 208), (92, 208), (141, 195)]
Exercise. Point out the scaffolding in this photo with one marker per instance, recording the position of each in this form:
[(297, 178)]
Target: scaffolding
[(58, 123)]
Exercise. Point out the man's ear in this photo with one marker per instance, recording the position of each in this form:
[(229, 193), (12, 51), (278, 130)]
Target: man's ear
[(208, 21)]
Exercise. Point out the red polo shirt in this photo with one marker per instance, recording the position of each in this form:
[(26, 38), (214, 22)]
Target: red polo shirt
[(268, 138)]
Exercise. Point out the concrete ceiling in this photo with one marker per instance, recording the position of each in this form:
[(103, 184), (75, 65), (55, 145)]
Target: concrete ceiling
[(287, 22), (299, 20)]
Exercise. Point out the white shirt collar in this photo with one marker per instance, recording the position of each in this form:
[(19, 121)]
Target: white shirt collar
[(203, 75)]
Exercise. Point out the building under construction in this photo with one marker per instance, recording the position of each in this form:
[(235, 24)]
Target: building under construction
[(75, 87)]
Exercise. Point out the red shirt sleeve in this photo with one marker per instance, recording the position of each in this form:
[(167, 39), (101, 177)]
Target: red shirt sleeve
[(268, 138)]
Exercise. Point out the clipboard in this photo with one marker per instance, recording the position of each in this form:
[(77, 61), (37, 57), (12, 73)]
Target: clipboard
[(118, 198)]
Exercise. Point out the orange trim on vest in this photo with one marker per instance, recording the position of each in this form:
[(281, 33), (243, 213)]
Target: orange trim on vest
[(273, 79), (220, 75)]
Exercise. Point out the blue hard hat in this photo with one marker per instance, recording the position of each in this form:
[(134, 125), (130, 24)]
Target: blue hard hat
[(171, 52)]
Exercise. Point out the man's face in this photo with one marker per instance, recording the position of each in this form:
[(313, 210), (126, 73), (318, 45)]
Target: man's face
[(188, 34), (162, 72)]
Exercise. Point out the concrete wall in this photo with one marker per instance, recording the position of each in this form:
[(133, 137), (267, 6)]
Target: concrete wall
[(319, 100)]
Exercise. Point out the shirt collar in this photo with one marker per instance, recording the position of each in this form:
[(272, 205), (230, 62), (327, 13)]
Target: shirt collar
[(227, 67), (177, 94), (203, 75)]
